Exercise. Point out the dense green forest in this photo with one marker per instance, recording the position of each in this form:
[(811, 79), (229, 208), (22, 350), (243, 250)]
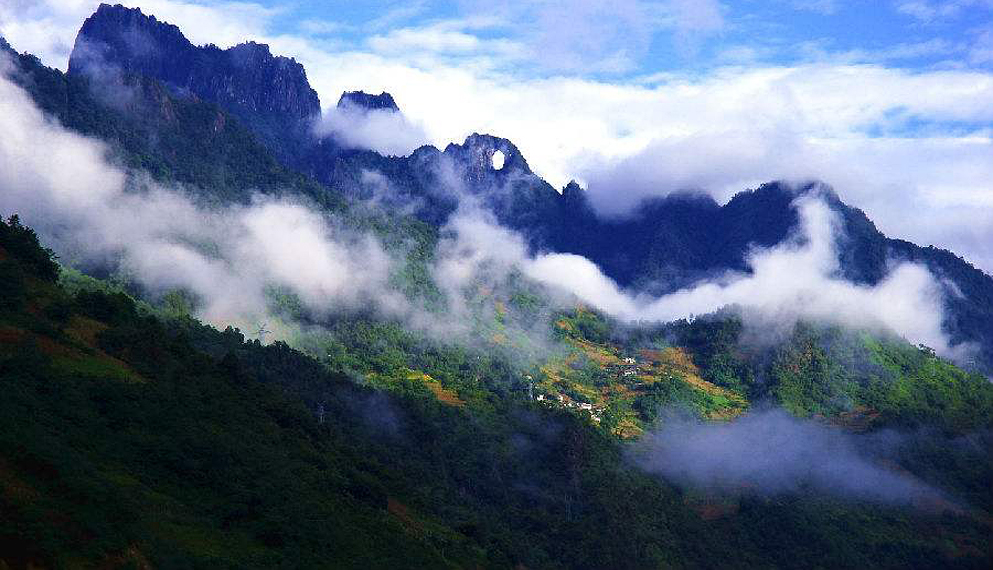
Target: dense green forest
[(132, 439)]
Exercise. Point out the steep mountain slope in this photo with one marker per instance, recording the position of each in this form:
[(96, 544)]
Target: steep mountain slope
[(128, 440), (270, 94), (172, 138)]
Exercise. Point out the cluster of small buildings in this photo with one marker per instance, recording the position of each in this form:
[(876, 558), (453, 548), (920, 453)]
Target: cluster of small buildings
[(627, 367), (595, 411)]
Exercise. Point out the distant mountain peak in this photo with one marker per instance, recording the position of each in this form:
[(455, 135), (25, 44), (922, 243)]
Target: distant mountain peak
[(572, 189), (123, 36), (246, 78), (368, 101)]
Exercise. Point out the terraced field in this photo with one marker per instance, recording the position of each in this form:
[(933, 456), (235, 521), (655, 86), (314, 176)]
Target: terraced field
[(604, 378)]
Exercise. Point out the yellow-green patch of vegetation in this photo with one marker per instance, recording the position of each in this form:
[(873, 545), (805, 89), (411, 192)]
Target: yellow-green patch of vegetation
[(96, 366), (444, 395), (602, 354), (644, 381), (85, 329), (413, 381), (558, 369), (628, 427), (712, 401)]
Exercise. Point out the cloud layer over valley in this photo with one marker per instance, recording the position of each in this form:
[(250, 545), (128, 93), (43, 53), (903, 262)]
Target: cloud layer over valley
[(88, 209)]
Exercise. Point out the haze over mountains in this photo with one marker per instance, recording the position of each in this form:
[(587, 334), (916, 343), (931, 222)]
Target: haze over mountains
[(668, 244), (454, 363)]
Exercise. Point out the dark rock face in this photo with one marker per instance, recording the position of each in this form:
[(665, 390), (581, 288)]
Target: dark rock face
[(148, 127), (368, 101), (270, 93), (476, 157)]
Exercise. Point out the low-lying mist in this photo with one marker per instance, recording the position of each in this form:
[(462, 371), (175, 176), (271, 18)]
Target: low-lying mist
[(91, 211), (771, 452)]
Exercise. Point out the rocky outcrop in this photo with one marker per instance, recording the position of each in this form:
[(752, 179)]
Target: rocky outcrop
[(270, 93), (368, 101), (475, 157)]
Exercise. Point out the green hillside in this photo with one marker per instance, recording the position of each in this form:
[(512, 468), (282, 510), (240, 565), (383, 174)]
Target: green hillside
[(127, 440)]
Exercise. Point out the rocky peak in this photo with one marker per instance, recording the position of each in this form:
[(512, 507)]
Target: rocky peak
[(572, 190), (478, 151), (368, 101), (130, 40), (246, 79)]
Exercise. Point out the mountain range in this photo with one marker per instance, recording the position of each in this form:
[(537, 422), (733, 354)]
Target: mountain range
[(668, 243), (536, 437)]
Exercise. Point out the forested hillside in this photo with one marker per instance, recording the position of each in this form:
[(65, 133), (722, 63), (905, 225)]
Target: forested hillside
[(265, 348), (130, 439)]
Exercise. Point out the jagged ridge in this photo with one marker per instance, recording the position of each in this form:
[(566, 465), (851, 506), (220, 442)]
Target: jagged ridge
[(270, 93), (671, 241)]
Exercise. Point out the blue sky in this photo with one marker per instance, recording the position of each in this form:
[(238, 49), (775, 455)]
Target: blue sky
[(654, 36), (888, 101), (696, 35)]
